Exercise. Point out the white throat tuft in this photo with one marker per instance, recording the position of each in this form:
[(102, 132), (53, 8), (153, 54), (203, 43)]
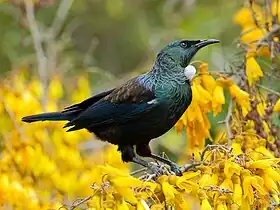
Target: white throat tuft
[(190, 72)]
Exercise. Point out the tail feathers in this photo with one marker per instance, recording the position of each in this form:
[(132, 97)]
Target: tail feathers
[(51, 116)]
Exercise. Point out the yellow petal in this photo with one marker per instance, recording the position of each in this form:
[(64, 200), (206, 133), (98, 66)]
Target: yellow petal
[(231, 168), (261, 108), (236, 148), (272, 174), (218, 94), (180, 202), (203, 68), (222, 206), (205, 205), (157, 207), (253, 70), (121, 205), (169, 192), (142, 205), (269, 183), (258, 184), (277, 106), (262, 164), (208, 83), (237, 194), (244, 16), (55, 88), (227, 184)]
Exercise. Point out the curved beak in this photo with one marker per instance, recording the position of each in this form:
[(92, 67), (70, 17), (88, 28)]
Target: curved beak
[(205, 42)]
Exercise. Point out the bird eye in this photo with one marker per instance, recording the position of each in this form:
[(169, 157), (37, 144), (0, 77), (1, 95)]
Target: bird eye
[(183, 44)]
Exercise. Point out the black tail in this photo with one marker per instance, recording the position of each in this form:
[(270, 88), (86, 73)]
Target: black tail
[(51, 116)]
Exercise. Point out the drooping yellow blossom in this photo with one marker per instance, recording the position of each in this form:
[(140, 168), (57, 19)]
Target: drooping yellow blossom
[(253, 70), (237, 191), (205, 205), (207, 81), (218, 99), (244, 16), (241, 97)]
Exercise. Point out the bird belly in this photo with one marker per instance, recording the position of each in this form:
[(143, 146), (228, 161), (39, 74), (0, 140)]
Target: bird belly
[(141, 130)]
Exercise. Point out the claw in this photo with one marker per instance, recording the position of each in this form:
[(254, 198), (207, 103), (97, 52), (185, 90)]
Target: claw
[(176, 169), (156, 169)]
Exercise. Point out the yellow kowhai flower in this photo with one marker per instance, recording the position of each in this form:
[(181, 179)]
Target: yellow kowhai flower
[(200, 94), (207, 81), (180, 201), (231, 168), (208, 178), (277, 106), (218, 99), (269, 183), (262, 164), (227, 184), (167, 189), (253, 70), (237, 190), (222, 206), (241, 97), (205, 205), (123, 185), (244, 16), (121, 205), (55, 88), (261, 108), (248, 192), (236, 148), (250, 36), (272, 173), (258, 183)]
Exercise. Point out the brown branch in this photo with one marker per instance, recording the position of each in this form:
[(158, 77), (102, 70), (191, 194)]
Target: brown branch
[(61, 15), (37, 42), (227, 123), (268, 35)]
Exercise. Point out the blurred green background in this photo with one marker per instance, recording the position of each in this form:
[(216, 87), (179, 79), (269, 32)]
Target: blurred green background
[(118, 36)]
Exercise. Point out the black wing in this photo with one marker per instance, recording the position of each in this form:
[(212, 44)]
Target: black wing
[(122, 105)]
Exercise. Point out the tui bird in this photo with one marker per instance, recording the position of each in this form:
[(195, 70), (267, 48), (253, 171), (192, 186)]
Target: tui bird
[(141, 109)]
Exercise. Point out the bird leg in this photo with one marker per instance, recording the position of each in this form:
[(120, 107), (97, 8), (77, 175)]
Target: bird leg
[(145, 151), (174, 167), (128, 155)]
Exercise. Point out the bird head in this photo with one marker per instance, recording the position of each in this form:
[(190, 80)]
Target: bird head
[(180, 52)]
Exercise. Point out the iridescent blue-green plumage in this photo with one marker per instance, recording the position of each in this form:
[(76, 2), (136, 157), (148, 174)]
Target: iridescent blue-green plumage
[(141, 109)]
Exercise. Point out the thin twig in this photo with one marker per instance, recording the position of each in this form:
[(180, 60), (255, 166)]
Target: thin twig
[(138, 171), (227, 123), (268, 89), (229, 113), (188, 167), (79, 202), (268, 35), (61, 15), (37, 42)]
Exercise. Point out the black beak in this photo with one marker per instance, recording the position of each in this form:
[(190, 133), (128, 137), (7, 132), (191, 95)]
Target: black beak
[(205, 42)]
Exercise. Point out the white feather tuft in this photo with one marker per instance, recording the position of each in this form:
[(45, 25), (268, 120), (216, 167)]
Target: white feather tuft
[(190, 72)]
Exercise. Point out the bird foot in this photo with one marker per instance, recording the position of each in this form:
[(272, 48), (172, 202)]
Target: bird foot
[(176, 169), (158, 170)]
